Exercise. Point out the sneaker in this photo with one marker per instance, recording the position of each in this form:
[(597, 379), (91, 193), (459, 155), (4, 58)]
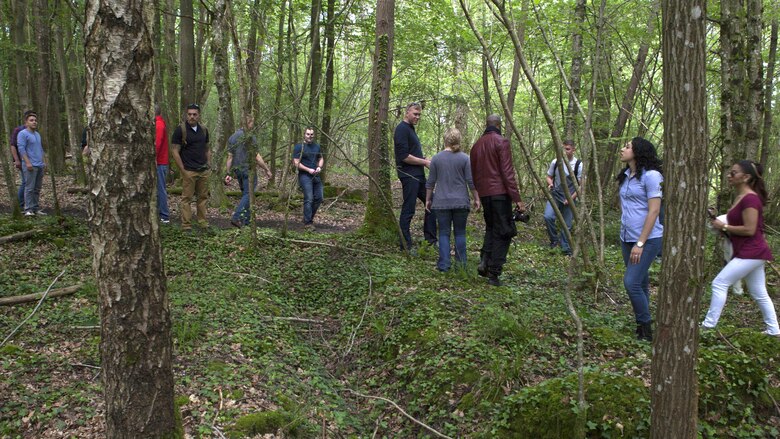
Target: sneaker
[(494, 280), (41, 213), (165, 221), (766, 331), (28, 213)]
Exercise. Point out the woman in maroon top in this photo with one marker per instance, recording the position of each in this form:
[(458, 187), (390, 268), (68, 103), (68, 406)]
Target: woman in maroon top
[(745, 229)]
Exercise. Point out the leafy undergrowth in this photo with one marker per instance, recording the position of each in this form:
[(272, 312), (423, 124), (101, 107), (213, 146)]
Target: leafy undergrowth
[(296, 338)]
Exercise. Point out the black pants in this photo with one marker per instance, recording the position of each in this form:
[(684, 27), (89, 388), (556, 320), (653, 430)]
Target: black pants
[(499, 230), (413, 190)]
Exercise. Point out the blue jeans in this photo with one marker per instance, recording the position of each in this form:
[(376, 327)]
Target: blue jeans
[(450, 220), (32, 188), (162, 193), (413, 189), (20, 193), (552, 229), (637, 280), (311, 185), (242, 210)]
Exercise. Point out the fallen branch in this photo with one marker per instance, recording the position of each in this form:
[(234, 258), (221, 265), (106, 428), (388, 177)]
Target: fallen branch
[(15, 300), (294, 319), (86, 327), (427, 427), (19, 236), (89, 366), (8, 337)]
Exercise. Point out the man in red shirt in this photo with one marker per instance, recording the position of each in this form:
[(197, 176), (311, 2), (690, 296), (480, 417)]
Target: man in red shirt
[(161, 147), (494, 178)]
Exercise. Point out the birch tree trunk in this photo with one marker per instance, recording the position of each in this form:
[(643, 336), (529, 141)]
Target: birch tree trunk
[(674, 388), (135, 322)]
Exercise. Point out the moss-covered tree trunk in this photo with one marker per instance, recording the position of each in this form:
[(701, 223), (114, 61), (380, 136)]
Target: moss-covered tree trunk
[(8, 171), (379, 209), (135, 323), (674, 388)]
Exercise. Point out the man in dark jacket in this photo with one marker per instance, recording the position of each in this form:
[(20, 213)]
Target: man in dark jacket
[(494, 178)]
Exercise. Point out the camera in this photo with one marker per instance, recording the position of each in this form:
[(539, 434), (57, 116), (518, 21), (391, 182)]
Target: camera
[(521, 216)]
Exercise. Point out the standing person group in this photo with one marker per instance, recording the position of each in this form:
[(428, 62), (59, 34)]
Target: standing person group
[(745, 229)]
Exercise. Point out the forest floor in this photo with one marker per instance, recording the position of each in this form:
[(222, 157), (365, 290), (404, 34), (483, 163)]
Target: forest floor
[(312, 334)]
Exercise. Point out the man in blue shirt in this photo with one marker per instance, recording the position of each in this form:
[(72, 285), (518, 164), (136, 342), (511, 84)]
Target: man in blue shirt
[(31, 152), (240, 144), (308, 160), (410, 165)]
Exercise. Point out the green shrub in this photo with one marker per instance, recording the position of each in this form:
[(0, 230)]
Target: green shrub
[(266, 423)]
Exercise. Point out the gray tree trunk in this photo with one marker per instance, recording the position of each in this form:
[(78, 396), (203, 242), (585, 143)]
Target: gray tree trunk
[(187, 55), (74, 127), (220, 38), (135, 345), (674, 387)]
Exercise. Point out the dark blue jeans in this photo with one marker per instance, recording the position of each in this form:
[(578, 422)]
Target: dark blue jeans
[(32, 188), (413, 189), (311, 185), (499, 230), (451, 220), (637, 279), (550, 219), (242, 210), (162, 194)]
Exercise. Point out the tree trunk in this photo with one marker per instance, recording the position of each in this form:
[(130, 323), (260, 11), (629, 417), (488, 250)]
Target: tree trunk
[(47, 120), (379, 209), (674, 388), (8, 171), (330, 74), (277, 115), (135, 346), (575, 75), (74, 127), (517, 71), (754, 68), (316, 61), (220, 38), (768, 92), (158, 93), (173, 109), (187, 55), (21, 64)]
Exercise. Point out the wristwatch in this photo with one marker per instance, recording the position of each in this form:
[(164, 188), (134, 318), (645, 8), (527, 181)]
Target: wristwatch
[(640, 244)]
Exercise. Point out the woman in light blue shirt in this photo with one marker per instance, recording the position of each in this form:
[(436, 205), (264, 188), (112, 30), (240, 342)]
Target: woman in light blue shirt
[(640, 231)]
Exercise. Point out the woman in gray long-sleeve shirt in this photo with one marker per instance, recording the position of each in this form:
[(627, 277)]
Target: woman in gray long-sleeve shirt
[(450, 176)]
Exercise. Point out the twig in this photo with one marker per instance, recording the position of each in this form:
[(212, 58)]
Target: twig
[(412, 418), (218, 431), (8, 337), (85, 365), (365, 309), (15, 300), (335, 199), (294, 319), (243, 274), (85, 327)]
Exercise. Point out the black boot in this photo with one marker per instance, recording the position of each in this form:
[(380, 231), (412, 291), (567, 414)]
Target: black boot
[(645, 331)]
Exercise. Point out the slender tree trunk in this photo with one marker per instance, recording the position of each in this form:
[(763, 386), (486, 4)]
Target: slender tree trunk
[(21, 64), (252, 49), (135, 345), (316, 61), (187, 55), (277, 116), (379, 209), (173, 108), (8, 171), (158, 93), (575, 75), (330, 74), (674, 387), (768, 92), (220, 37), (48, 118), (754, 67), (74, 127)]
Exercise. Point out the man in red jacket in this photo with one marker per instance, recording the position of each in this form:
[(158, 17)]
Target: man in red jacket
[(161, 148), (494, 178)]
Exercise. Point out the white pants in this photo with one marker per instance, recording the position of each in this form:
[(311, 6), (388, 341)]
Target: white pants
[(752, 270)]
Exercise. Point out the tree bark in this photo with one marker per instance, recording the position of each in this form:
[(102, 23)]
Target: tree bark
[(21, 64), (277, 115), (74, 127), (220, 37), (173, 109), (754, 67), (8, 171), (135, 346), (316, 61), (379, 209), (674, 387), (768, 93), (48, 118), (330, 75), (187, 54)]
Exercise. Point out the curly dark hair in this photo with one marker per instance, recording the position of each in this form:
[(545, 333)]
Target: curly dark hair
[(646, 159), (756, 172)]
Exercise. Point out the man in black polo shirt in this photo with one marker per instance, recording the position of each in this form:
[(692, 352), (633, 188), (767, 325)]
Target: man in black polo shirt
[(192, 155), (410, 164)]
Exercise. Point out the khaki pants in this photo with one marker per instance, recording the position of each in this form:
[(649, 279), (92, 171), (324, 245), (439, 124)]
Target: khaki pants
[(194, 183)]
